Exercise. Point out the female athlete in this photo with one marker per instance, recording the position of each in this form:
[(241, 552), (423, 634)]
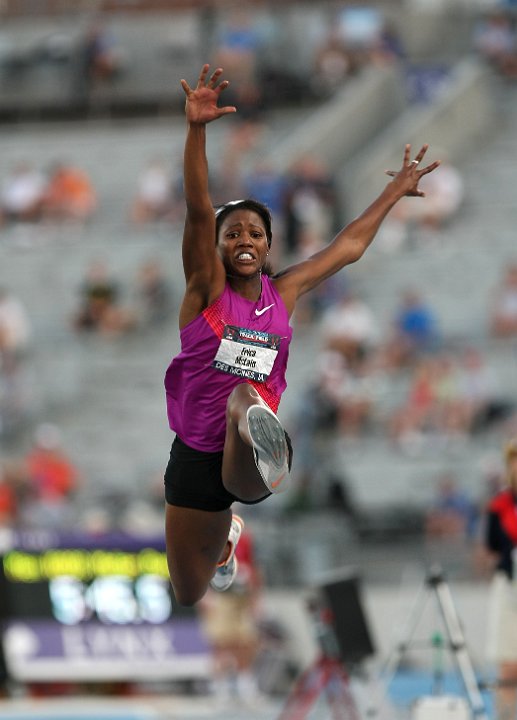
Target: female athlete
[(224, 387)]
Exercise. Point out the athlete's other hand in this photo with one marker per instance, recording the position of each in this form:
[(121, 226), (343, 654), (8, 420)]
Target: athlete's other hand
[(201, 103), (407, 178)]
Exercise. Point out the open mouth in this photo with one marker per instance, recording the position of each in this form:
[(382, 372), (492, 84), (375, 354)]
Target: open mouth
[(245, 257)]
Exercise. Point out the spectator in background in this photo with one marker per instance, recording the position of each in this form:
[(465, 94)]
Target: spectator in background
[(15, 334), (351, 390), (449, 398), (433, 411), (156, 194), (349, 328), (52, 479), (22, 193), (310, 203), (503, 322), (496, 41), (69, 195), (387, 47), (483, 402), (349, 46), (241, 144), (316, 426), (230, 622), (333, 64), (453, 514), (415, 331), (15, 329), (451, 418), (7, 499), (154, 293), (311, 307), (268, 186), (100, 310), (444, 195), (101, 56), (13, 490), (501, 543), (239, 44)]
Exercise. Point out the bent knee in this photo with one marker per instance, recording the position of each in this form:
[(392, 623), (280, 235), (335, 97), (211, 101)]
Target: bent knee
[(188, 595), (241, 397)]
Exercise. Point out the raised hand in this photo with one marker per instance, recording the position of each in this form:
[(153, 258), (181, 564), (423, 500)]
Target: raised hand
[(201, 103), (408, 177)]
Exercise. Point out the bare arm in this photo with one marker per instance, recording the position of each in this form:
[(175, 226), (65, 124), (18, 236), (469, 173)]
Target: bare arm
[(203, 269), (351, 243)]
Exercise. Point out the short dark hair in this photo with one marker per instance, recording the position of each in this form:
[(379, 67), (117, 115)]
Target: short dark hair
[(221, 211)]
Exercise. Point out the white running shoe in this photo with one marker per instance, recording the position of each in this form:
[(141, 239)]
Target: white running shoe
[(226, 572), (269, 447)]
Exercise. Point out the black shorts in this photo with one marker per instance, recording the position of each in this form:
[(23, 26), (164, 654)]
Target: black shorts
[(193, 479)]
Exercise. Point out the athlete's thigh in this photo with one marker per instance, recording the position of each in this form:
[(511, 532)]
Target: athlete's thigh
[(239, 471)]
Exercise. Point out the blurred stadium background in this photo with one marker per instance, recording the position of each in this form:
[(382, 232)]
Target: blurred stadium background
[(341, 87)]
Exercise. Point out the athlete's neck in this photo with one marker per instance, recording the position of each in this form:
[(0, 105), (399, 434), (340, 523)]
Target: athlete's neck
[(249, 287)]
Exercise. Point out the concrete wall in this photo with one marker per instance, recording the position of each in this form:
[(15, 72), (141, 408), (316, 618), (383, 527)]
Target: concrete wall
[(159, 47), (365, 106), (462, 115), (363, 130)]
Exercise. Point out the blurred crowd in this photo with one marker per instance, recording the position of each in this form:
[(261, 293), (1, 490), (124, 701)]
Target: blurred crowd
[(103, 311), (37, 489), (97, 56), (104, 307), (406, 382), (448, 391), (495, 39), (63, 193), (403, 382)]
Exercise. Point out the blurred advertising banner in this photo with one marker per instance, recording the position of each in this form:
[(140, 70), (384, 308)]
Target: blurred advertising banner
[(78, 607)]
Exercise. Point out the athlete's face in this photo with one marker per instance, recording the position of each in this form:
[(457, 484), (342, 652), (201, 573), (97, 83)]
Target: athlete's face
[(242, 242)]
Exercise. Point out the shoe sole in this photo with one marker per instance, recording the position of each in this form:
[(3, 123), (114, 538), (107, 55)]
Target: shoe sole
[(270, 447)]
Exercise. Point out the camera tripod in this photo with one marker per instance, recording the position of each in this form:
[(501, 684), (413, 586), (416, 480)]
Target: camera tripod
[(326, 675), (435, 582)]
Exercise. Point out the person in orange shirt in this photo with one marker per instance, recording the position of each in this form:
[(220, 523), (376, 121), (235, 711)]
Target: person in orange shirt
[(7, 501), (52, 477), (69, 194)]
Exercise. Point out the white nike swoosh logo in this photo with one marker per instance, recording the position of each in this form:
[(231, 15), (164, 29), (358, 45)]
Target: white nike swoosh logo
[(263, 310)]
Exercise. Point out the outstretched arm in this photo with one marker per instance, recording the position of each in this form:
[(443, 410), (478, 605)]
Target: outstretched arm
[(350, 244), (201, 264)]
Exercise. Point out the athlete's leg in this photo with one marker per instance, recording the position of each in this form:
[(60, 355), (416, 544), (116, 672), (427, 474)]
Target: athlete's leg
[(196, 540), (240, 474), (257, 451)]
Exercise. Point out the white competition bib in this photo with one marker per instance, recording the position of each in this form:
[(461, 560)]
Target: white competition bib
[(247, 353)]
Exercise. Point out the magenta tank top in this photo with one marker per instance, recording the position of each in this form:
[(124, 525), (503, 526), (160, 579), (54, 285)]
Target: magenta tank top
[(233, 340)]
